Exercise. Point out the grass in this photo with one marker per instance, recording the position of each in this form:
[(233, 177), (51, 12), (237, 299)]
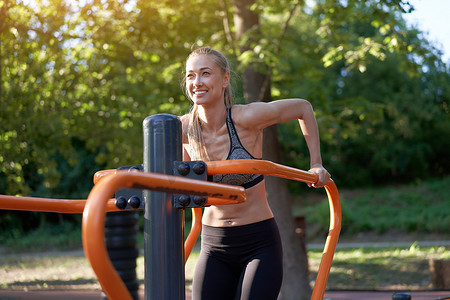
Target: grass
[(389, 268), (49, 272), (421, 207), (64, 236)]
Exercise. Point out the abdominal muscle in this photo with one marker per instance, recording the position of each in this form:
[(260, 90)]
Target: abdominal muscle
[(254, 209)]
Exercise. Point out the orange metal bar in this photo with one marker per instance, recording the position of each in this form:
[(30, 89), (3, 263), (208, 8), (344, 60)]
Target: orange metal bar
[(100, 174), (194, 232), (266, 168), (270, 168), (47, 204), (196, 213), (254, 166), (217, 195), (331, 242), (94, 216)]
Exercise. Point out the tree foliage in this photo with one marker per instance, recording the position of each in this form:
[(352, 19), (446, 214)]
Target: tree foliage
[(79, 77), (382, 110)]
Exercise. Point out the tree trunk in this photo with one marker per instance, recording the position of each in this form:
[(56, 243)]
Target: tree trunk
[(440, 273), (295, 259), (295, 262), (245, 20)]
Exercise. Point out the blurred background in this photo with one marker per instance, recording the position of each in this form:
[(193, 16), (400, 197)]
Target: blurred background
[(77, 78)]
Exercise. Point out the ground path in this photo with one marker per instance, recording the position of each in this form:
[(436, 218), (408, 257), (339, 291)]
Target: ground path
[(73, 294), (331, 295)]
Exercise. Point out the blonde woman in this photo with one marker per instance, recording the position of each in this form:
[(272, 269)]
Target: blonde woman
[(241, 252)]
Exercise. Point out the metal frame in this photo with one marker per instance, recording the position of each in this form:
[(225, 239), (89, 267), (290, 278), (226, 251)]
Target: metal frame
[(158, 136)]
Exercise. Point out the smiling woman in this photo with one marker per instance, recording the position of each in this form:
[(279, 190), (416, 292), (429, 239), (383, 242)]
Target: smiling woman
[(241, 256), (196, 83), (205, 80)]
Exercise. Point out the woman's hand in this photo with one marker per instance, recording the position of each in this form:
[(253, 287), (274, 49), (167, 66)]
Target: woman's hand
[(323, 175)]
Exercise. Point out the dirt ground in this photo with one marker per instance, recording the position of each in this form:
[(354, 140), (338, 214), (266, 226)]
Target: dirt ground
[(330, 295)]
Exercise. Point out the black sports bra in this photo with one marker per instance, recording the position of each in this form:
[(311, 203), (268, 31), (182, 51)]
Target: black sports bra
[(237, 151)]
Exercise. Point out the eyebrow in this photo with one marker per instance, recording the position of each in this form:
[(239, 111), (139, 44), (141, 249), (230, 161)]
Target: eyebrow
[(201, 69)]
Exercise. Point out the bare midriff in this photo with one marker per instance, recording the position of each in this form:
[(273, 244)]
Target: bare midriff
[(254, 209)]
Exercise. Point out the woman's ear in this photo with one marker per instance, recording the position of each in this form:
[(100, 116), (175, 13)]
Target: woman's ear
[(226, 79)]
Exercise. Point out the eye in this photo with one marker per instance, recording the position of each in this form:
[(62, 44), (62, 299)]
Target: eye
[(206, 73), (189, 76)]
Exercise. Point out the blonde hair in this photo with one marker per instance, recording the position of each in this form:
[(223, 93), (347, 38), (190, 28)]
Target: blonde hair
[(194, 133)]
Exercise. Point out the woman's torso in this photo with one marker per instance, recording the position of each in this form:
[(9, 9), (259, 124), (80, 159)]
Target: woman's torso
[(255, 208)]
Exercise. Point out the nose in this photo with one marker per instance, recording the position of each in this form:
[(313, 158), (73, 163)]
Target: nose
[(197, 81)]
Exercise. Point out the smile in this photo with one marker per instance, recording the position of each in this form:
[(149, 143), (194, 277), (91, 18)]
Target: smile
[(200, 92)]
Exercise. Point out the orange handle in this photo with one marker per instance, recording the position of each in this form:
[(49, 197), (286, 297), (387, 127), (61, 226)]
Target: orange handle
[(47, 204), (100, 174), (270, 168), (193, 233), (196, 213), (218, 194), (94, 216), (331, 242), (256, 166)]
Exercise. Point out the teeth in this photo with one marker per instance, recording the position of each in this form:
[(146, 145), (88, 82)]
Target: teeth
[(200, 92)]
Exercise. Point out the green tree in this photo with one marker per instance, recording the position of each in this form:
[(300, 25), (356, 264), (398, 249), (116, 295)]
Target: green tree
[(397, 96), (261, 41), (30, 122)]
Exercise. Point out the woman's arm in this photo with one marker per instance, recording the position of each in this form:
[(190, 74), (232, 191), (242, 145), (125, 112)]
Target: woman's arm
[(260, 115), (310, 130)]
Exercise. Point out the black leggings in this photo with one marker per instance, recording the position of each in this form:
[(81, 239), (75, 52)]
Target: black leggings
[(242, 262)]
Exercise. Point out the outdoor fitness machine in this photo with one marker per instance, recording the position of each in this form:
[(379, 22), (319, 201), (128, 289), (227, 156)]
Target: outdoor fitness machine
[(168, 188)]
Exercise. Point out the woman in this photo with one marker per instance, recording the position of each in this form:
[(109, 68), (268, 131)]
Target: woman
[(241, 255)]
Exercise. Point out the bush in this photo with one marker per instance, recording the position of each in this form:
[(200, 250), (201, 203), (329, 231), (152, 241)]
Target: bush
[(415, 208)]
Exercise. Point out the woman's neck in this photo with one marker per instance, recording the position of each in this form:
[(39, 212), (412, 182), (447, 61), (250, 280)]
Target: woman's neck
[(212, 117)]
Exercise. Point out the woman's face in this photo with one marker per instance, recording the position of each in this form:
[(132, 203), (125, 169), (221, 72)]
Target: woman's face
[(205, 81)]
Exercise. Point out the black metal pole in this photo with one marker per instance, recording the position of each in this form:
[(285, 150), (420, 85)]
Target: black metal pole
[(163, 226)]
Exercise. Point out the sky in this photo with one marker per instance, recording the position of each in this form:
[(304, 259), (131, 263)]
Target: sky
[(432, 17)]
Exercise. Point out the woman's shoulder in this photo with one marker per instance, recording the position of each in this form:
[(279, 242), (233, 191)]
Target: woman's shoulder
[(260, 115), (249, 115), (246, 110), (184, 124), (184, 120), (250, 108)]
